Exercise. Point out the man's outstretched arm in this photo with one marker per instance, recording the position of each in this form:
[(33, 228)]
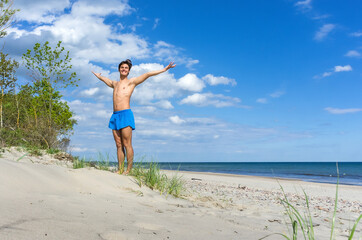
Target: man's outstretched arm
[(104, 79), (143, 77)]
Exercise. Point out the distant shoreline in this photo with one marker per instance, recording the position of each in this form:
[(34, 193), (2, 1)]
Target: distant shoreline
[(318, 172)]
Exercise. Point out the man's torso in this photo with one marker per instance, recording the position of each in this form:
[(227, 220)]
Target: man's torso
[(122, 92)]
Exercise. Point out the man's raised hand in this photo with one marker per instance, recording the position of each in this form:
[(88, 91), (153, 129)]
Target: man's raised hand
[(107, 81), (98, 75), (171, 65)]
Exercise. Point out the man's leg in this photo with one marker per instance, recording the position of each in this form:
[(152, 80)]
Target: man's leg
[(120, 150), (126, 134)]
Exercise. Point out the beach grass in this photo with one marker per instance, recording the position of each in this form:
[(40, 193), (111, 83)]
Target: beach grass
[(304, 221), (150, 175), (102, 162), (80, 163), (34, 150), (145, 174), (53, 151), (2, 150)]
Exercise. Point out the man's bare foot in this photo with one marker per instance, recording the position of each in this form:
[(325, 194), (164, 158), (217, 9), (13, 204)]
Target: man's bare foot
[(125, 173), (119, 172)]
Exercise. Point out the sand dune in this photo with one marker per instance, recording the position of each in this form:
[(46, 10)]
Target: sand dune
[(39, 200)]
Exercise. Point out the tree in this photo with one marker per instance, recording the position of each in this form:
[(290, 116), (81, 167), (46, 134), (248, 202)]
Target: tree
[(7, 79), (50, 65), (50, 71), (6, 15)]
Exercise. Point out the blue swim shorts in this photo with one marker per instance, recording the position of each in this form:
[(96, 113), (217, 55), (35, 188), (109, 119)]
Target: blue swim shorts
[(122, 119)]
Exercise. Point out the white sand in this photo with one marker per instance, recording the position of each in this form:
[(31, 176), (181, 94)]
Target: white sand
[(39, 200)]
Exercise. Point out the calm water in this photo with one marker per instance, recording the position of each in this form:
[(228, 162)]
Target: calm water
[(349, 173)]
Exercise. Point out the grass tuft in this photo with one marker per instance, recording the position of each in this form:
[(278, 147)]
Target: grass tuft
[(34, 151), (102, 162), (80, 163), (52, 151), (152, 177)]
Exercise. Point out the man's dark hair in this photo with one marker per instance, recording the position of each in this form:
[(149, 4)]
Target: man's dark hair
[(128, 62)]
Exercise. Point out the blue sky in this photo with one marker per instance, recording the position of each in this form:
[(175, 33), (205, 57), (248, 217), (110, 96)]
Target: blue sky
[(255, 80)]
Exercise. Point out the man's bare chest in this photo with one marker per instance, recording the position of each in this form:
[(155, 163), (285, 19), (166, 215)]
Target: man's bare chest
[(123, 89)]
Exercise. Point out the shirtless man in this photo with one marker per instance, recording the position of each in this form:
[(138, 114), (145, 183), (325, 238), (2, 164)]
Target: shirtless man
[(122, 120)]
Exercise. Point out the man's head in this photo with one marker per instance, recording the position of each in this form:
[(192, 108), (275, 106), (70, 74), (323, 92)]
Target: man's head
[(124, 67)]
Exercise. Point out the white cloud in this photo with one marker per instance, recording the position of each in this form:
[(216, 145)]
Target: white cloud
[(357, 34), (327, 74), (165, 104), (79, 149), (85, 34), (262, 100), (176, 119), (16, 33), (352, 53), (324, 31), (166, 51), (135, 26), (90, 114), (101, 8), (160, 87), (342, 111), (213, 80), (144, 109), (206, 99), (306, 4), (196, 99), (346, 68), (277, 94), (190, 62), (39, 12), (318, 17), (155, 24), (190, 82), (89, 92)]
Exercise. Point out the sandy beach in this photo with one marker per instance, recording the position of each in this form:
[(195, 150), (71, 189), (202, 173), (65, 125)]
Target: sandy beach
[(44, 198)]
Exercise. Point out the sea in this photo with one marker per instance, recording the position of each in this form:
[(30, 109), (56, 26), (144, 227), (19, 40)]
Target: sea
[(350, 173)]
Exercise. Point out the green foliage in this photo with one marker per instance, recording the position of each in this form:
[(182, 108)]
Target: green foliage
[(80, 163), (9, 137), (102, 162), (52, 151), (154, 179), (175, 186), (44, 119), (354, 227), (6, 15), (25, 154), (28, 122), (34, 150), (7, 79), (36, 116), (1, 151), (50, 65), (8, 67)]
